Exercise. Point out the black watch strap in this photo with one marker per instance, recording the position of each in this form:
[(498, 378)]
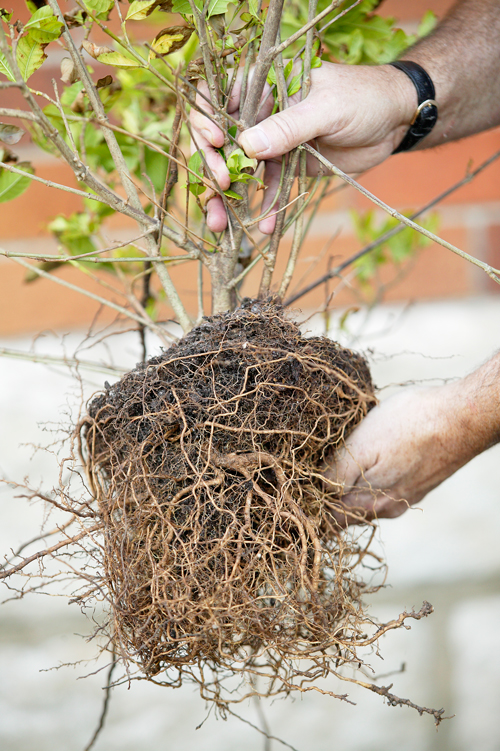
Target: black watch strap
[(426, 114)]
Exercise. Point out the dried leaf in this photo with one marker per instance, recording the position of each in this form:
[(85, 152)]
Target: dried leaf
[(94, 50), (75, 18), (170, 40), (10, 134), (69, 73), (102, 82)]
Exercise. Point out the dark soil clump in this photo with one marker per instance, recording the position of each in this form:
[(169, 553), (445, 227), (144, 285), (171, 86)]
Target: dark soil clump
[(221, 553)]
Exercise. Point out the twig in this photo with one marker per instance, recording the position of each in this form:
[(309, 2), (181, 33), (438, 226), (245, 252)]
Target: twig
[(492, 272), (392, 232), (71, 362)]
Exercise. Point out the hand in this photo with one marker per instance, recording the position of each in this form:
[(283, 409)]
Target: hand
[(355, 115), (408, 445)]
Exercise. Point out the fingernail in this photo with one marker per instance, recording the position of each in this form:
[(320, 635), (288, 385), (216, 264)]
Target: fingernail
[(254, 142), (207, 134)]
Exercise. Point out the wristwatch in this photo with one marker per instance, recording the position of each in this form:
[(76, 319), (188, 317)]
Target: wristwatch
[(426, 114)]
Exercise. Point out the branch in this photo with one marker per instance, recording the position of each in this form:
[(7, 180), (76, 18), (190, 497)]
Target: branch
[(267, 53), (492, 272)]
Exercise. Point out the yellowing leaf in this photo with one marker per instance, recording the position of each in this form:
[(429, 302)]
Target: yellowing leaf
[(30, 56), (118, 60), (140, 9), (43, 25), (170, 40), (5, 68)]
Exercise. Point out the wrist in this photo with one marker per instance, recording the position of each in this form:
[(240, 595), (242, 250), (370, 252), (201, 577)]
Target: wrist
[(402, 94)]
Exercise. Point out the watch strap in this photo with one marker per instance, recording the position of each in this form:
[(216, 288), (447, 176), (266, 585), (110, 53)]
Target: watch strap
[(426, 114)]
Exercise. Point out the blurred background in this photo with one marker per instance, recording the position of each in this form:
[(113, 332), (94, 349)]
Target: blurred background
[(438, 319)]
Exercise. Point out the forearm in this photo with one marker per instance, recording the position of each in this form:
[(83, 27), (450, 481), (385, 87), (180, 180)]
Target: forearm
[(462, 56), (475, 410)]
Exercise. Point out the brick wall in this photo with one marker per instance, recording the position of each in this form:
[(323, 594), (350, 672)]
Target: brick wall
[(470, 219)]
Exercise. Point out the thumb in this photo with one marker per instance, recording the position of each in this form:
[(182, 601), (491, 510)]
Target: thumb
[(280, 133)]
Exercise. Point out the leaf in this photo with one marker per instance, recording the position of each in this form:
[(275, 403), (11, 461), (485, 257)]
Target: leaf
[(10, 134), (169, 40), (12, 185), (316, 62), (427, 24), (233, 194), (215, 7), (253, 8), (195, 164), (5, 15), (30, 56), (94, 50), (294, 85), (140, 9), (102, 82), (238, 161), (118, 60), (5, 68), (44, 26), (100, 8)]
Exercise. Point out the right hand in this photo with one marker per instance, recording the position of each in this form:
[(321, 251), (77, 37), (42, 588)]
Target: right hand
[(355, 115)]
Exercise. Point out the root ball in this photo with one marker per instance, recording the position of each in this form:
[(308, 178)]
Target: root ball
[(220, 548)]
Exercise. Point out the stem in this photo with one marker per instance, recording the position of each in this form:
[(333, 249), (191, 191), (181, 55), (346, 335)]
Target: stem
[(267, 53), (302, 183)]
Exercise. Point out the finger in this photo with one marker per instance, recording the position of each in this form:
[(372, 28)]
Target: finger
[(216, 215), (214, 160), (280, 133), (344, 469), (272, 176), (203, 125)]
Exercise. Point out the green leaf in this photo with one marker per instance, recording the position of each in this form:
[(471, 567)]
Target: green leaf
[(427, 24), (139, 9), (316, 62), (43, 25), (294, 85), (100, 8), (253, 8), (30, 56), (156, 168), (12, 185), (239, 161), (195, 164), (215, 7), (118, 60), (5, 15), (233, 194), (5, 68)]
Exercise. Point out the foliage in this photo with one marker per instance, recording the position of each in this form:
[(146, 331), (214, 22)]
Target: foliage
[(140, 92)]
